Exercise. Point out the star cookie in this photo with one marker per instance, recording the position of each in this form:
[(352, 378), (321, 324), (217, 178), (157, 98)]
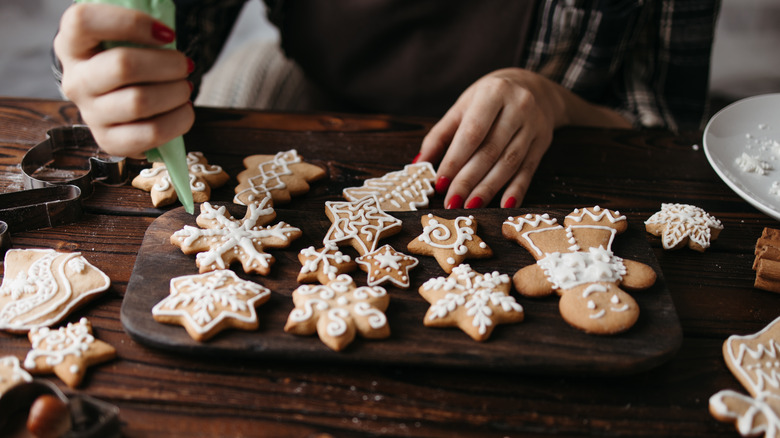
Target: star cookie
[(474, 302), (323, 264), (66, 352), (387, 264), (449, 241), (283, 176), (339, 310), (11, 374), (361, 224), (42, 286), (403, 190), (206, 304), (203, 178), (223, 239), (681, 224)]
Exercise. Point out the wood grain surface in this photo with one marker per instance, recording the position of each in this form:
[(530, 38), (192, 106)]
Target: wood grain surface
[(167, 393)]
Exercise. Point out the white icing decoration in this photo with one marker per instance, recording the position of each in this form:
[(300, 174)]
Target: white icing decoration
[(56, 345), (567, 270), (683, 221), (435, 233), (328, 257), (761, 380), (597, 214), (269, 178), (362, 222), (402, 190), (749, 422)]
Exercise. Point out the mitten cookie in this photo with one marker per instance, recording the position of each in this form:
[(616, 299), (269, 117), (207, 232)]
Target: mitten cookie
[(450, 242), (681, 224), (281, 176), (203, 178)]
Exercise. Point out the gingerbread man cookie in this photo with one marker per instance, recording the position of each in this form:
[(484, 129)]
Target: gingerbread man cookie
[(42, 286), (681, 224), (203, 178), (223, 240), (281, 176), (206, 304), (11, 374), (387, 264), (66, 352), (449, 241), (339, 310), (474, 302), (403, 190), (361, 224), (577, 262)]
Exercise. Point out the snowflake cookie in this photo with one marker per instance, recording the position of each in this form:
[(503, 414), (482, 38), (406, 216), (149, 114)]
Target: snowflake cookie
[(338, 310), (206, 304), (387, 264), (403, 190), (577, 262), (223, 239), (66, 352), (449, 241), (11, 374), (323, 264), (678, 224), (474, 302), (42, 286), (281, 176), (361, 224), (754, 361), (203, 178)]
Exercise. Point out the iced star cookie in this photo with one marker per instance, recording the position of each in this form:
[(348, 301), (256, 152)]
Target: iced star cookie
[(339, 310), (403, 190), (577, 262), (474, 302), (360, 224), (11, 374), (681, 224), (283, 176), (42, 286), (206, 304), (222, 239), (387, 264), (203, 178), (450, 242), (323, 264), (66, 352)]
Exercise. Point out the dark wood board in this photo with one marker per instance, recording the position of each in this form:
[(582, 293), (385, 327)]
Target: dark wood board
[(543, 343)]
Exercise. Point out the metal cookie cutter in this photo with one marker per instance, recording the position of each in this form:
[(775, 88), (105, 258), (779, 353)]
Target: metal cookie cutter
[(58, 173)]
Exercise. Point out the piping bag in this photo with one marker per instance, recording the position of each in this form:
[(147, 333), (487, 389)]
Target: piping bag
[(173, 153)]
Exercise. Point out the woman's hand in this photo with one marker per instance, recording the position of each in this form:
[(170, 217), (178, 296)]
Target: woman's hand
[(132, 98), (496, 133)]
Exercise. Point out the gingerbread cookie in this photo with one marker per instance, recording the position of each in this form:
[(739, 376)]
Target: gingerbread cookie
[(449, 241), (338, 310), (42, 286), (403, 190), (206, 304), (203, 178), (681, 224), (283, 176), (474, 302), (66, 352), (323, 264), (387, 264), (11, 374), (577, 262), (222, 239), (361, 224), (751, 416)]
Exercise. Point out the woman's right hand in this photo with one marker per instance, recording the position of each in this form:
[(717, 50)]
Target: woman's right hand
[(132, 98)]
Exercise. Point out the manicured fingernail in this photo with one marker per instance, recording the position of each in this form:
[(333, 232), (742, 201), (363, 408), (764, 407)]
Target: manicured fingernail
[(190, 65), (442, 184), (162, 33), (510, 202), (416, 158), (475, 202), (455, 202)]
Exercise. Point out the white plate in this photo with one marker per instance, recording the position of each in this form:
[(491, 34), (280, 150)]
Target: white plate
[(750, 126)]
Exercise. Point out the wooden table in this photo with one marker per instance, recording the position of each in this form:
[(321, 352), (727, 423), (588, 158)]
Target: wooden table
[(165, 394)]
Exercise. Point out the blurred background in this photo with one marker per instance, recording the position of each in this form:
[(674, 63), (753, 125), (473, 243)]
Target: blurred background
[(745, 60)]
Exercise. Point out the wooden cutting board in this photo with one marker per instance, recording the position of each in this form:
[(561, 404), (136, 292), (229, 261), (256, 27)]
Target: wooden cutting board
[(544, 342)]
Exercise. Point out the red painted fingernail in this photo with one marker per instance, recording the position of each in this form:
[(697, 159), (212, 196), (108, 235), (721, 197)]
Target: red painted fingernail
[(475, 202), (510, 202), (190, 65), (162, 33), (455, 202), (416, 158), (442, 184)]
